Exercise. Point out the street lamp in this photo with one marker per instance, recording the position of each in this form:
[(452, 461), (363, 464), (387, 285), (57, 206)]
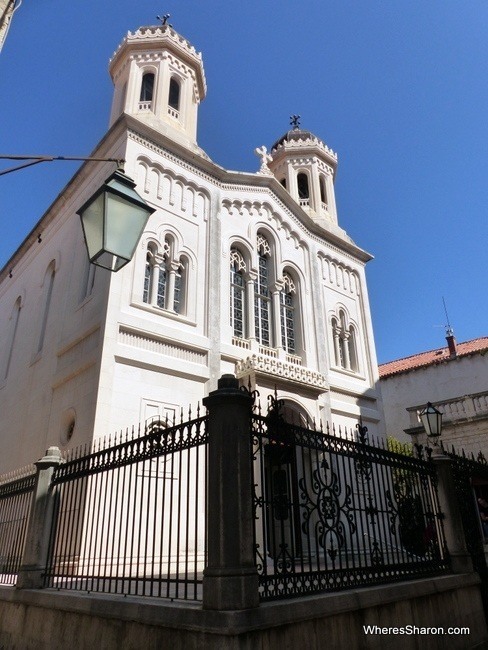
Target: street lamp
[(431, 418), (113, 220)]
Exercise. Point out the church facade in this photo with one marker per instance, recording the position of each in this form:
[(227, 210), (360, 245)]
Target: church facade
[(236, 272)]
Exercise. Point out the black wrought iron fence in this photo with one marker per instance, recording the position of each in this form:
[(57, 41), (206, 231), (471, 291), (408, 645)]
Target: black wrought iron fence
[(130, 516), (15, 505), (470, 476), (339, 512)]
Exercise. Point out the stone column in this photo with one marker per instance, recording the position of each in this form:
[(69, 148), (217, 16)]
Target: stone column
[(453, 524), (39, 528), (347, 355), (153, 283), (337, 348), (315, 198), (230, 579), (170, 287)]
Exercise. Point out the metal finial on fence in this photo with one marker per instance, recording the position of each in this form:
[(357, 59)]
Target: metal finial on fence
[(362, 430)]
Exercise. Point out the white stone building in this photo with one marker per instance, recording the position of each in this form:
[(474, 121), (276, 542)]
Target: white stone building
[(245, 273), (454, 379)]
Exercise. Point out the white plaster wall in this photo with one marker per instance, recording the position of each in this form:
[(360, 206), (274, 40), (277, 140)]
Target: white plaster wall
[(447, 380), (41, 386)]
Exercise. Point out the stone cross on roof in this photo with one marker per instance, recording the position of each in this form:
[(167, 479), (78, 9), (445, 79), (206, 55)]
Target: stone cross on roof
[(266, 158)]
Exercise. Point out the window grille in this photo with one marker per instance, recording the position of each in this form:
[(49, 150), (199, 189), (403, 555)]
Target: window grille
[(262, 303), (287, 309), (237, 293)]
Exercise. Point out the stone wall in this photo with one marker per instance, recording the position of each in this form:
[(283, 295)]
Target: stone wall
[(47, 620)]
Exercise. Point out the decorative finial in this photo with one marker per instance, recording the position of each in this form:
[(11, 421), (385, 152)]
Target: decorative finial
[(164, 20), (362, 430), (295, 121), (266, 158)]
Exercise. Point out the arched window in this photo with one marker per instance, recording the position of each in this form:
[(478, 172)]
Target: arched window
[(165, 278), (13, 325), (174, 97), (323, 191), (147, 91), (147, 277), (237, 293), (345, 344), (287, 314), (151, 274), (47, 295), (283, 182), (303, 188), (353, 356), (262, 295), (179, 300)]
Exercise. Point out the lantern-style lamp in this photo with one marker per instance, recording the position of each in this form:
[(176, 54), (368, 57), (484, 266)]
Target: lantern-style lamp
[(113, 220), (431, 418)]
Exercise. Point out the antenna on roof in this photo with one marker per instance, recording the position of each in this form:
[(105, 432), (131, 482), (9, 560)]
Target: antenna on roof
[(449, 330)]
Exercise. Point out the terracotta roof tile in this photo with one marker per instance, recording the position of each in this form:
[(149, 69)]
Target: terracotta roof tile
[(432, 357)]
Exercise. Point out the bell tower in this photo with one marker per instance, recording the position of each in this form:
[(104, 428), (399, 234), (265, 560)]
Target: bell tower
[(159, 79), (306, 167)]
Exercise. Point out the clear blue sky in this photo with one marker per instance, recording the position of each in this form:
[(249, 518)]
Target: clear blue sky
[(398, 88)]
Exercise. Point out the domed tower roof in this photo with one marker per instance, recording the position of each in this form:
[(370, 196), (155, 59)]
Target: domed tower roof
[(306, 167), (298, 138), (294, 135)]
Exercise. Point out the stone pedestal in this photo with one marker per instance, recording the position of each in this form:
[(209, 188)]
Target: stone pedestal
[(230, 581), (40, 521)]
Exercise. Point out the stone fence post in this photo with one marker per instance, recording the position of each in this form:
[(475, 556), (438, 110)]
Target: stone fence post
[(39, 528), (230, 580), (453, 524)]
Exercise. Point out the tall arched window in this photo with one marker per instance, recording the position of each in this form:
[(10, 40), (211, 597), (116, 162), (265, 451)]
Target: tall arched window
[(353, 355), (12, 332), (287, 314), (303, 189), (174, 97), (323, 191), (47, 295), (237, 293), (262, 295), (181, 273), (147, 91), (151, 274)]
